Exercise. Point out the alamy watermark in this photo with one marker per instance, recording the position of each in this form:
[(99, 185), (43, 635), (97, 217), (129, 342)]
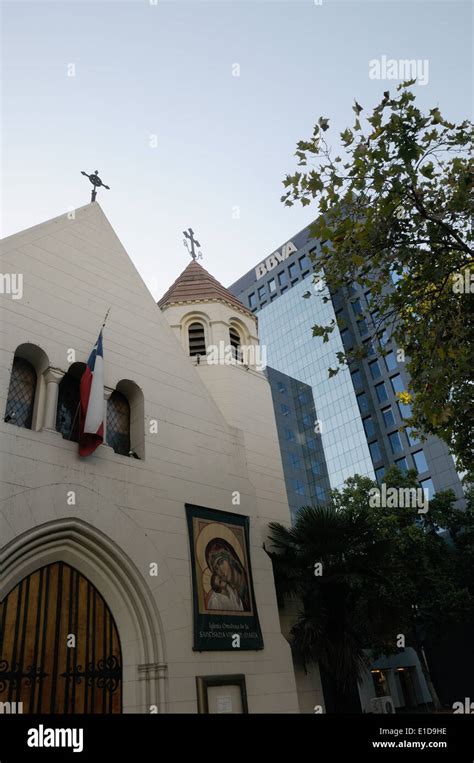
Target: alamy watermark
[(463, 282), (466, 707), (402, 69), (251, 355), (47, 737), (11, 708), (400, 498), (12, 283)]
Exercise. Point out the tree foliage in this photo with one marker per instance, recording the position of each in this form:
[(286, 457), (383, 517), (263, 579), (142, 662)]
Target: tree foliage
[(385, 572), (395, 216)]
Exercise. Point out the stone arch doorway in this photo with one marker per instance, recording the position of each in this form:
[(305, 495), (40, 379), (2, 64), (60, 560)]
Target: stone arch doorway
[(59, 645), (116, 577)]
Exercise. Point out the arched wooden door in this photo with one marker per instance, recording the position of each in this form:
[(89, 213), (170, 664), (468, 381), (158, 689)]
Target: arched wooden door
[(41, 619)]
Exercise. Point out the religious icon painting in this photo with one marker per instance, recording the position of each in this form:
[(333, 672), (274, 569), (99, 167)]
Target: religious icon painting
[(225, 615)]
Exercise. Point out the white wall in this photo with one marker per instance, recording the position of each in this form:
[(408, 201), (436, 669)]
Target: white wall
[(74, 270)]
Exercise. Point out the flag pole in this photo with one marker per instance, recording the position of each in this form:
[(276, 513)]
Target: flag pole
[(105, 319)]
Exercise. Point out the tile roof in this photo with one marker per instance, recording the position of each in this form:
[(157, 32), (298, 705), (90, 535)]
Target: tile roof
[(197, 285)]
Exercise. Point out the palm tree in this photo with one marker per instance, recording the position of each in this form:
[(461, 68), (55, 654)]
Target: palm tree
[(330, 563)]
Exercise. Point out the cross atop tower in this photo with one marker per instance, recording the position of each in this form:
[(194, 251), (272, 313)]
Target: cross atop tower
[(189, 235)]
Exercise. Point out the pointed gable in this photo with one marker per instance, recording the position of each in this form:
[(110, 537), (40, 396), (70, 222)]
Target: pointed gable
[(195, 284)]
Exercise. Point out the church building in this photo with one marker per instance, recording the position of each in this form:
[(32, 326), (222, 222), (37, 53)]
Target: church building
[(134, 579)]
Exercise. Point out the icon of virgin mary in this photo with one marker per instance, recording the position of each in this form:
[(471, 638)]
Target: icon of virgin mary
[(229, 589)]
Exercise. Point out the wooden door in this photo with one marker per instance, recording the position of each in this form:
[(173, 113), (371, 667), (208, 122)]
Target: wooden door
[(59, 645)]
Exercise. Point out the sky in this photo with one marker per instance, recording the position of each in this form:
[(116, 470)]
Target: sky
[(146, 92)]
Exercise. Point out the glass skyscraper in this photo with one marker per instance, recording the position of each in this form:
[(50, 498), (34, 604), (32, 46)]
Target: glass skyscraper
[(358, 413), (301, 447)]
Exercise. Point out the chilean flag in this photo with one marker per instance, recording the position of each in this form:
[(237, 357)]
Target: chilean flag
[(91, 423)]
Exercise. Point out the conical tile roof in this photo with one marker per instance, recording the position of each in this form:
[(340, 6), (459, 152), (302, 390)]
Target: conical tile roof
[(195, 284)]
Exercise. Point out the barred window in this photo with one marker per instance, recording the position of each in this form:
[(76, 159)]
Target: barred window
[(21, 394), (235, 343), (118, 423), (197, 341)]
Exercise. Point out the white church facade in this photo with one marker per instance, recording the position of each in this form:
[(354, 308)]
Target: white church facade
[(127, 575)]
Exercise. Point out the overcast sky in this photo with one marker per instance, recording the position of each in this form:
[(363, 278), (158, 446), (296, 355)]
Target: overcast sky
[(154, 106)]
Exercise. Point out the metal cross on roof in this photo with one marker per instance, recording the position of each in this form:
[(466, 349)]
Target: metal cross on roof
[(96, 182), (189, 234)]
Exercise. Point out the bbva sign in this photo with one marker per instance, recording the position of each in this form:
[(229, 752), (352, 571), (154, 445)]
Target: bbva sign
[(275, 259)]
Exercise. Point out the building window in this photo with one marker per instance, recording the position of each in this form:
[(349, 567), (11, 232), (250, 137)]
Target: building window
[(381, 392), (283, 288), (369, 348), (346, 338), (308, 420), (311, 443), (292, 270), (281, 387), (388, 417), (303, 397), (362, 326), (368, 296), (397, 383), (316, 468), (118, 423), (402, 464), (298, 487), (197, 341), (395, 442), (252, 300), (289, 435), (375, 371), (295, 461), (428, 485), (261, 292), (420, 461), (282, 278), (375, 451), (379, 474), (357, 307), (405, 410), (412, 438), (21, 394), (304, 262), (390, 361), (234, 337), (356, 379), (271, 286), (320, 494), (369, 426), (284, 409), (363, 402), (67, 414)]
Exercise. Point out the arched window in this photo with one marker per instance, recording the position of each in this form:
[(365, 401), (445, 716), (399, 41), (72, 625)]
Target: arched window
[(197, 340), (67, 415), (21, 394), (118, 423), (235, 343)]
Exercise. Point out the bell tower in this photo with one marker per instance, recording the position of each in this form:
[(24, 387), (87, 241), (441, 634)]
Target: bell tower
[(220, 337)]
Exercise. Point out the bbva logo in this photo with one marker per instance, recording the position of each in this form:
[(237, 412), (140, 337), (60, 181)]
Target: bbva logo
[(274, 259)]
